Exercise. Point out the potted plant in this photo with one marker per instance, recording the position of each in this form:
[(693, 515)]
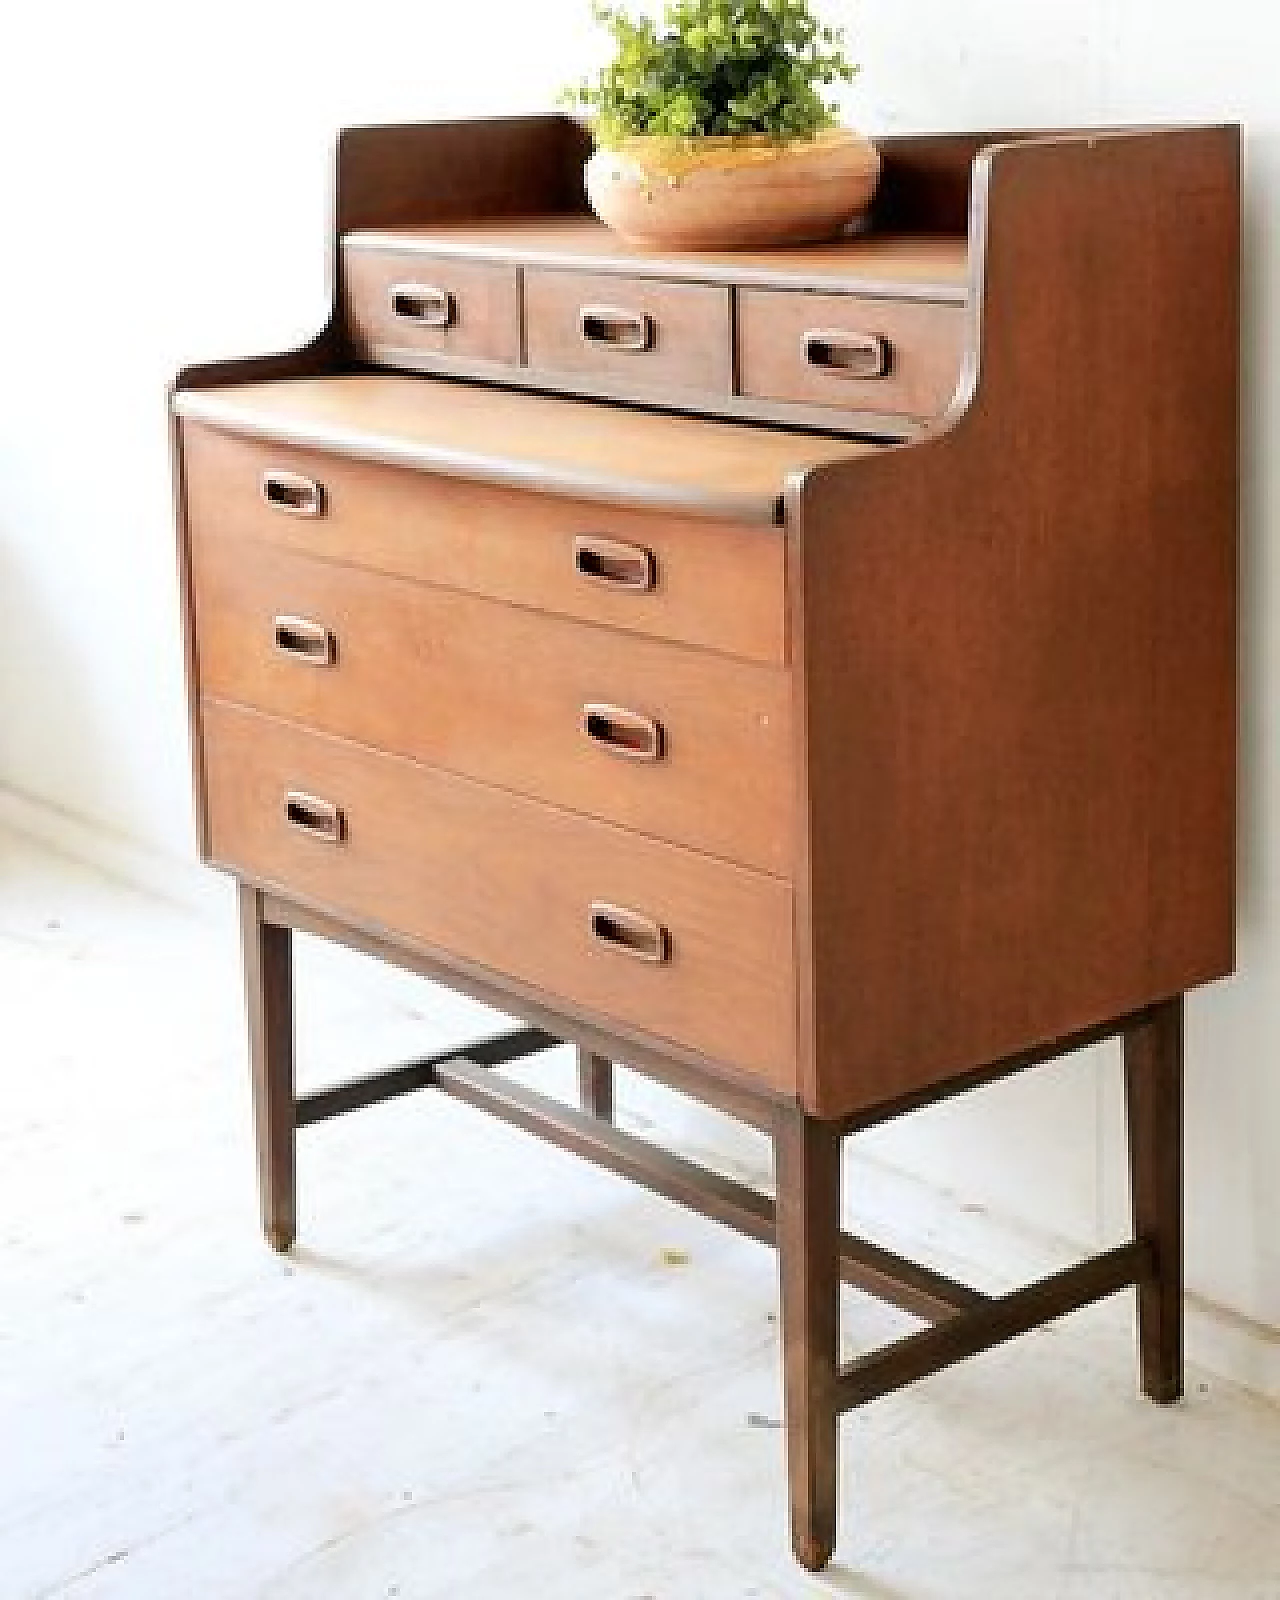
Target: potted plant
[(712, 130)]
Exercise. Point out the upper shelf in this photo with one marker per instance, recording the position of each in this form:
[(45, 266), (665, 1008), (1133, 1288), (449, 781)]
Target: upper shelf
[(465, 250), (895, 266), (862, 335), (468, 249)]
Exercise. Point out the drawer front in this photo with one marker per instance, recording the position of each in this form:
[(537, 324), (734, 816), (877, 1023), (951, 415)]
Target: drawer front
[(403, 301), (675, 742), (632, 334), (682, 947), (841, 350), (705, 583)]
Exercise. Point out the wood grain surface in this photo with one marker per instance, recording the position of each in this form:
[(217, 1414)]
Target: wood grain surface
[(1018, 642), (610, 453), (807, 1177), (715, 584), (508, 883), (417, 172), (690, 343), (925, 344), (722, 1084), (484, 305), (267, 955), (1154, 1096), (921, 266), (498, 692)]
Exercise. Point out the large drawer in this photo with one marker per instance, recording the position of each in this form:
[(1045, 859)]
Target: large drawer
[(703, 582), (661, 939), (680, 743), (401, 303), (849, 351), (637, 334)]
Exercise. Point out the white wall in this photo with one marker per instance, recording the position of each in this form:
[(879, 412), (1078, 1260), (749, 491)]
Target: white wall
[(162, 200), (1050, 1150)]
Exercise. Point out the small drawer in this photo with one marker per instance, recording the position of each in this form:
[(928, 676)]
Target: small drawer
[(403, 302), (714, 584), (895, 357), (628, 334), (608, 923), (679, 743)]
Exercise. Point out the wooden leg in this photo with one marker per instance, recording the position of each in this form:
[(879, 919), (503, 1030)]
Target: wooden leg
[(1153, 1088), (595, 1085), (268, 975), (807, 1168)]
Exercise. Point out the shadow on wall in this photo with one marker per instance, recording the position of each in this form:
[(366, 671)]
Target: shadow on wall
[(1260, 338), (92, 698), (52, 736)]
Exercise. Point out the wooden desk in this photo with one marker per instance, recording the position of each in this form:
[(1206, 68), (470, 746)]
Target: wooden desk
[(806, 676)]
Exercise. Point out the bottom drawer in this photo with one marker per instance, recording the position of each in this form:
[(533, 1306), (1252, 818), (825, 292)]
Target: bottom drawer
[(659, 938)]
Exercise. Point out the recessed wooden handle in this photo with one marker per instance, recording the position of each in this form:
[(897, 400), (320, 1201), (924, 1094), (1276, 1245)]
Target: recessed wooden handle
[(423, 303), (303, 640), (319, 819), (623, 732), (618, 328), (625, 566), (629, 932), (848, 355), (290, 491)]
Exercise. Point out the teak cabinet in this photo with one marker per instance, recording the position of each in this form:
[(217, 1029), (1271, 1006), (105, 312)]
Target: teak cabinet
[(807, 676)]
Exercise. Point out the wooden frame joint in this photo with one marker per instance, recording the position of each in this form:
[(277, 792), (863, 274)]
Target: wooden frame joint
[(513, 1045), (893, 1367)]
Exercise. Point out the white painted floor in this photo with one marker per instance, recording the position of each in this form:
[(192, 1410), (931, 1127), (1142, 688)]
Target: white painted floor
[(488, 1370)]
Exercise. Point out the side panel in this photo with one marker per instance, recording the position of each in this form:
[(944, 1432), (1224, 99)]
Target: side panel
[(1018, 640)]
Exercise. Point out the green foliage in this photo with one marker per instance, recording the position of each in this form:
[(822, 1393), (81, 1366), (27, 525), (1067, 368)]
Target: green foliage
[(717, 68)]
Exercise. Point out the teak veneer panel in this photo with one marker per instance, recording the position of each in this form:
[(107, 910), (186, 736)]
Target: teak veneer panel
[(498, 693), (920, 266), (691, 331), (1017, 642), (688, 353), (484, 306), (926, 347), (413, 172), (716, 584), (507, 883), (605, 452)]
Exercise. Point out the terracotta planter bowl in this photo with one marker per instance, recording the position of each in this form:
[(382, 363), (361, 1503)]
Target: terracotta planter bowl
[(733, 194)]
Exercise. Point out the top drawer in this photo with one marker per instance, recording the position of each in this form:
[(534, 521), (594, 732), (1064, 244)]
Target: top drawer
[(407, 303), (637, 333), (701, 582), (896, 357)]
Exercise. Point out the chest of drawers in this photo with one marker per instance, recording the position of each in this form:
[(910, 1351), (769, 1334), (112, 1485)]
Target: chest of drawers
[(806, 677)]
